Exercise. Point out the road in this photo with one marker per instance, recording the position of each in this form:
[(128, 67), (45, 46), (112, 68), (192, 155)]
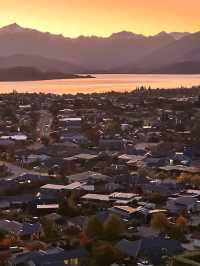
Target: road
[(43, 129), (44, 123)]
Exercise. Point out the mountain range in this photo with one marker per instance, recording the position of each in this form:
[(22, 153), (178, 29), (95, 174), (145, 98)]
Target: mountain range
[(122, 52)]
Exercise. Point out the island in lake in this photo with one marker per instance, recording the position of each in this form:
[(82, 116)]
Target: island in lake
[(33, 74)]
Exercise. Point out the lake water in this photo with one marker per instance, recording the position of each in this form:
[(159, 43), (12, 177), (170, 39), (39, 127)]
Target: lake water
[(102, 83)]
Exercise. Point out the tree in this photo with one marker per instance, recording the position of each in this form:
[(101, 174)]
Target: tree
[(49, 229), (36, 245), (45, 140), (159, 221), (94, 228), (67, 207), (3, 234), (93, 134), (84, 239), (190, 179), (181, 223), (156, 197), (113, 227), (55, 136), (105, 254), (175, 233), (112, 127)]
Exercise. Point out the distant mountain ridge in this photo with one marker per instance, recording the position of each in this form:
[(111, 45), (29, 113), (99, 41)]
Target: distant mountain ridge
[(124, 52)]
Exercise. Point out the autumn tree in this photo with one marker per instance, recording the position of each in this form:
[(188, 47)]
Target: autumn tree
[(160, 222), (3, 234), (182, 223), (94, 228), (45, 140), (84, 239), (156, 197)]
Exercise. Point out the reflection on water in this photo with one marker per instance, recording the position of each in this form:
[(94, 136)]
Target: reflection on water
[(102, 83)]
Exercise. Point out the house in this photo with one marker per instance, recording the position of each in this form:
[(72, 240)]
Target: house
[(122, 197), (80, 160), (46, 208), (22, 230), (128, 248), (130, 158), (155, 249), (111, 144), (52, 188), (74, 137), (179, 203), (16, 201), (73, 257), (49, 193), (86, 157), (177, 169), (34, 179), (161, 187), (88, 176), (96, 198), (72, 124), (125, 212), (34, 158), (144, 231)]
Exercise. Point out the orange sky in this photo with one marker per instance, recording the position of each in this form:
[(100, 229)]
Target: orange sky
[(102, 17)]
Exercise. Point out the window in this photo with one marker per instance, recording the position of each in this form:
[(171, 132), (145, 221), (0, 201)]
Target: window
[(66, 262), (72, 262)]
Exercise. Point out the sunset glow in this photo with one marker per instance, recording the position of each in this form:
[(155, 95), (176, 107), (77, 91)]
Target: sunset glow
[(102, 17)]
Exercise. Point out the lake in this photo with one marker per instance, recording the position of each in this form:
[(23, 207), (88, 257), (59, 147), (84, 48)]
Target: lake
[(102, 83)]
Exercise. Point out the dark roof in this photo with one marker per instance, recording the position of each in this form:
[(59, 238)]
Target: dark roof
[(155, 248), (30, 229), (88, 176), (40, 258), (58, 258), (129, 248), (151, 248)]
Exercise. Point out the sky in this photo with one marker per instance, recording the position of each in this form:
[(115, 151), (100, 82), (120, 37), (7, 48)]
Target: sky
[(102, 17)]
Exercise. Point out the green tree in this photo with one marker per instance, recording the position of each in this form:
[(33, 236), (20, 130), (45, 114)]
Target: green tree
[(113, 227), (67, 207), (94, 228), (50, 231), (175, 233), (112, 127)]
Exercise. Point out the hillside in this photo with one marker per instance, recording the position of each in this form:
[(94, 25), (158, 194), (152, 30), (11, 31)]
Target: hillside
[(31, 74)]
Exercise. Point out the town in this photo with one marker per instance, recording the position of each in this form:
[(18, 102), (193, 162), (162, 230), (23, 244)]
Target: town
[(107, 179)]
